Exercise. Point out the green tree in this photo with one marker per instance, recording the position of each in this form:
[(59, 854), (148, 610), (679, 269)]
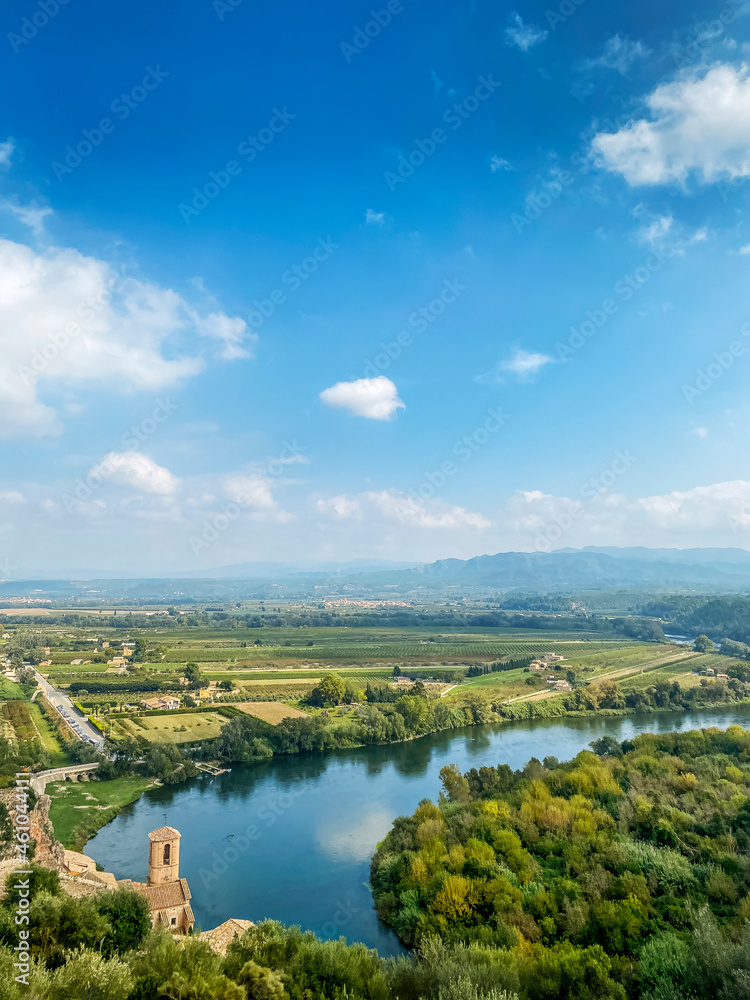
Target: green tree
[(455, 785), (260, 983), (193, 675), (129, 920), (415, 712), (140, 654), (331, 690), (87, 976), (40, 880), (704, 645)]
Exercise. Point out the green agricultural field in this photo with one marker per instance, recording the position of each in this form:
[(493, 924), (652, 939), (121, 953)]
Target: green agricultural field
[(10, 690), (677, 670), (50, 742), (176, 728)]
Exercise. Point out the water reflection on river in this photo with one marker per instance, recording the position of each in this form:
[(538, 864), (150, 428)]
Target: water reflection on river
[(312, 821)]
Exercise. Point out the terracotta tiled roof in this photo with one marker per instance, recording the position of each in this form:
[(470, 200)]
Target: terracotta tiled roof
[(162, 897), (222, 936), (164, 833)]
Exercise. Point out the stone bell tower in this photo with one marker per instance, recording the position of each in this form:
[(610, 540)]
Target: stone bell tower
[(163, 855)]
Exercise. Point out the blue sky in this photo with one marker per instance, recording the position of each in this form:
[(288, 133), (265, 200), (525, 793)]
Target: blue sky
[(560, 190)]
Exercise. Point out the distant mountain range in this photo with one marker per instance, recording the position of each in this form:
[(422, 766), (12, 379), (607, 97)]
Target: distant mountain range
[(581, 569), (564, 570)]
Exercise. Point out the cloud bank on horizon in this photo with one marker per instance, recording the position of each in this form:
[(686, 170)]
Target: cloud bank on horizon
[(286, 377)]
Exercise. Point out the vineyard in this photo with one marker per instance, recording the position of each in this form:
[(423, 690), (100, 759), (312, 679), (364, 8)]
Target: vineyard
[(453, 650)]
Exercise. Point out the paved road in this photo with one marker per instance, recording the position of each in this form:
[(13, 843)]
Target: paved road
[(56, 698)]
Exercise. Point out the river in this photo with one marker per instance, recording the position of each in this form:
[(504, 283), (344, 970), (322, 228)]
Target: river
[(291, 838)]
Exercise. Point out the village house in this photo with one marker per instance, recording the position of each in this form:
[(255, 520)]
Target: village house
[(169, 703), (222, 936), (80, 866), (562, 686)]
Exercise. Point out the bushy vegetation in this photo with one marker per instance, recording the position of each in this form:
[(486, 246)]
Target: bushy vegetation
[(248, 738), (624, 872)]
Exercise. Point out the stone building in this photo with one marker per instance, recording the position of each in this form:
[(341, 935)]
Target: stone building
[(167, 894)]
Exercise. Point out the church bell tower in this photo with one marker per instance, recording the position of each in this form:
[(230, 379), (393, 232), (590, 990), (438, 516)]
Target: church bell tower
[(163, 855)]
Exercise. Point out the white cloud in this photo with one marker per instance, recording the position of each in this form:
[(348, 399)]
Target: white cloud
[(131, 468), (718, 514), (620, 54), (745, 249), (375, 398), (232, 330), (523, 364), (31, 215), (700, 126), (7, 149), (251, 491), (401, 508), (524, 36), (254, 493), (72, 320), (498, 163), (374, 218), (701, 432)]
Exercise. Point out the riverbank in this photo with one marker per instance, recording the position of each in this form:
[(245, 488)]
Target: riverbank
[(95, 805), (78, 811)]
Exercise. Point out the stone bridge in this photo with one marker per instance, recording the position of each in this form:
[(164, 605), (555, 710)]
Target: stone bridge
[(78, 772)]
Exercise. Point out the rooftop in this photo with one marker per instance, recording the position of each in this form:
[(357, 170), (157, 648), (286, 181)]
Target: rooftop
[(162, 897), (164, 833)]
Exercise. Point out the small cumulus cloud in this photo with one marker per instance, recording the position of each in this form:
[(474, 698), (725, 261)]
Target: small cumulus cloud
[(523, 364), (31, 215), (619, 54), (699, 128), (131, 468), (498, 163), (373, 218), (7, 149), (523, 35), (374, 398), (401, 508)]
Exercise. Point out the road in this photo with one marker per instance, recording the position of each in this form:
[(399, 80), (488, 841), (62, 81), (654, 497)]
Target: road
[(58, 698)]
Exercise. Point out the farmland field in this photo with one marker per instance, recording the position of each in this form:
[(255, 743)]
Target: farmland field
[(270, 711), (186, 728)]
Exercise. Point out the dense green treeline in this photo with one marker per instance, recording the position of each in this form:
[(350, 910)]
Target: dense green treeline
[(103, 949), (719, 618), (248, 738), (630, 865), (418, 616)]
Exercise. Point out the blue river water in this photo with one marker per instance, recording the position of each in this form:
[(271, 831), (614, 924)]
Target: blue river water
[(291, 839)]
